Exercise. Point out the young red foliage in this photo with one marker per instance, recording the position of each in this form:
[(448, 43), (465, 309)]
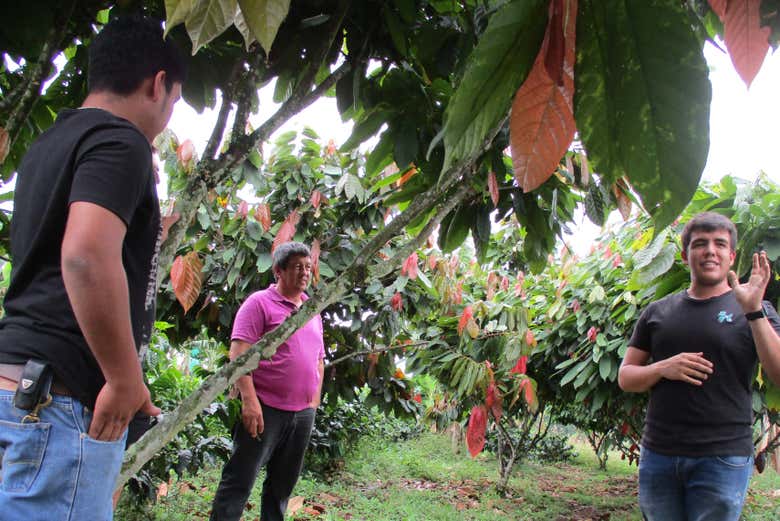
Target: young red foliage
[(243, 209), (521, 365), (263, 216), (396, 302), (186, 279), (409, 267), (316, 197), (746, 40), (475, 433), (464, 318), (593, 332), (315, 261), (287, 230), (719, 7), (542, 122), (493, 188), (493, 401)]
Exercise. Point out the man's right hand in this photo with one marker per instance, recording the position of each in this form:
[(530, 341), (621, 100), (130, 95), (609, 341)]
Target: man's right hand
[(252, 415), (692, 368), (115, 406)]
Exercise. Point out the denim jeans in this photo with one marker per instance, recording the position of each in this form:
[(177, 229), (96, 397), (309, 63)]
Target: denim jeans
[(679, 488), (51, 470), (280, 448)]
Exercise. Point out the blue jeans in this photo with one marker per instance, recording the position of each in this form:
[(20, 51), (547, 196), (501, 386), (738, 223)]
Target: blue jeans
[(679, 488), (51, 470)]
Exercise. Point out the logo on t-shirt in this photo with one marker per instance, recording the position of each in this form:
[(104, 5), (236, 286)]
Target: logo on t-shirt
[(725, 317)]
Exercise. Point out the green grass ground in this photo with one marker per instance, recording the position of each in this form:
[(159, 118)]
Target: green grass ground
[(422, 480)]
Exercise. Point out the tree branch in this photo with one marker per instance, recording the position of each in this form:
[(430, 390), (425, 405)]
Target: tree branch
[(38, 71), (376, 351)]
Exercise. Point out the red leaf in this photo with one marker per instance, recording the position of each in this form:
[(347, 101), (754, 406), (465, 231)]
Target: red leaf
[(529, 393), (504, 285), (475, 433), (593, 332), (493, 187), (316, 197), (186, 279), (418, 398), (331, 148), (287, 230), (185, 152), (530, 339), (719, 7), (575, 305), (542, 122), (464, 319), (396, 302), (556, 44), (315, 261), (5, 143), (493, 401), (263, 216), (243, 209), (746, 40), (620, 190), (409, 267), (432, 261), (521, 365)]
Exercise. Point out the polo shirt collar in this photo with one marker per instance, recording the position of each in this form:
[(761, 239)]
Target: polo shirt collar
[(278, 297)]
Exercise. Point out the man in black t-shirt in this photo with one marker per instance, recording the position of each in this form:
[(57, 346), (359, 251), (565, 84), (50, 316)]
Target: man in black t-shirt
[(697, 353), (85, 238)]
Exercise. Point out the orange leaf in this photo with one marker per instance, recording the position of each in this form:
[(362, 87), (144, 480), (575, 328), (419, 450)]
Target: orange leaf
[(493, 401), (316, 197), (263, 216), (542, 122), (315, 260), (529, 394), (408, 175), (719, 7), (620, 189), (287, 230), (409, 267), (186, 279), (556, 44), (464, 319), (493, 187), (475, 433), (746, 40), (5, 143)]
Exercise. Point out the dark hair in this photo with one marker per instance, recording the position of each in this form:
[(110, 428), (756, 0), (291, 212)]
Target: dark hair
[(129, 50), (708, 222), (285, 251)]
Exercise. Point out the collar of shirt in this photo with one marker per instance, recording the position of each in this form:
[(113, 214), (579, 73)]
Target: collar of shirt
[(278, 297)]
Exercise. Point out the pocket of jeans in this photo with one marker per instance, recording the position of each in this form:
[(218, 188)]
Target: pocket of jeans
[(24, 445), (735, 461)]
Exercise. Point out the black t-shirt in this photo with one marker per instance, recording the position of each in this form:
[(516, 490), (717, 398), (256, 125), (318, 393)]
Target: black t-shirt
[(88, 155), (714, 419)]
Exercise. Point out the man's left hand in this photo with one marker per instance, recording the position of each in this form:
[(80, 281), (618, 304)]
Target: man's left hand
[(751, 293)]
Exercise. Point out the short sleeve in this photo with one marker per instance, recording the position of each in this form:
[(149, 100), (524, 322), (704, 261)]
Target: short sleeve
[(321, 354), (249, 325), (772, 315), (640, 339), (112, 170)]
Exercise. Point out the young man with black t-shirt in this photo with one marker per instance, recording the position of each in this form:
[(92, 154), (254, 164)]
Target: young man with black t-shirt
[(697, 352), (85, 237)]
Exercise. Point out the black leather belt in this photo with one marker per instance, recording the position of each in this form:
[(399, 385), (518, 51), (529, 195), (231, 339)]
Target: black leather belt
[(11, 373)]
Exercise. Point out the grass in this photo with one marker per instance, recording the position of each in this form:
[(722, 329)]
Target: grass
[(422, 480)]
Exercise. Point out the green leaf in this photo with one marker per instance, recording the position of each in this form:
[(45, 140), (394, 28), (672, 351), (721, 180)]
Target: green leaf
[(208, 19), (396, 29), (264, 262), (454, 229), (495, 70), (646, 255), (605, 367), (659, 265), (367, 127), (243, 28), (176, 11), (406, 146), (264, 18), (642, 99), (381, 156)]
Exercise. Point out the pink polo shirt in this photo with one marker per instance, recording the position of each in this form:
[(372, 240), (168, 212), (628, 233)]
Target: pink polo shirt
[(289, 380)]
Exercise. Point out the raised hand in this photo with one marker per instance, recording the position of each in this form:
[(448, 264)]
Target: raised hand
[(751, 293)]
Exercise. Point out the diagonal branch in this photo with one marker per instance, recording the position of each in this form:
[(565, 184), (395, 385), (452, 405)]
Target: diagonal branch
[(323, 297)]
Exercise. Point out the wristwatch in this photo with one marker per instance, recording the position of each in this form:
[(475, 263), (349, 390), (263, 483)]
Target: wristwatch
[(755, 315)]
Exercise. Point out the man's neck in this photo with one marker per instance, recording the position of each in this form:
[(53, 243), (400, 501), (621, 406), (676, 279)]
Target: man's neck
[(120, 106), (701, 291), (293, 295)]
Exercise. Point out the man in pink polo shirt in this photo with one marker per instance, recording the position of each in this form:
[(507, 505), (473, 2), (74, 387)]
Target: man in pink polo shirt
[(279, 398)]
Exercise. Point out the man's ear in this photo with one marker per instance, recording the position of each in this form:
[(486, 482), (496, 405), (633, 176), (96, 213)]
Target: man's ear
[(159, 89)]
